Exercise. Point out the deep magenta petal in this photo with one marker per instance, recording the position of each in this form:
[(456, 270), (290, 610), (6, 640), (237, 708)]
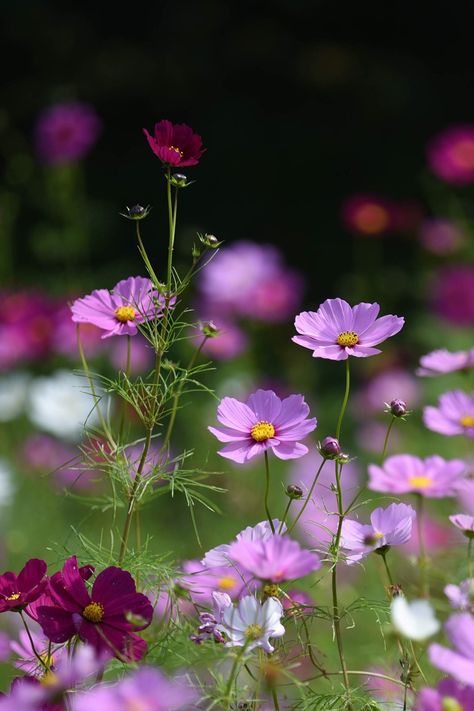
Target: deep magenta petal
[(112, 583), (31, 575)]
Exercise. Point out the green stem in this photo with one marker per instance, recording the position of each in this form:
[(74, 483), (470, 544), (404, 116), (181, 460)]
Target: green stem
[(172, 212), (131, 498), (345, 400), (422, 560), (354, 672), (127, 376), (232, 676), (387, 569), (276, 705), (469, 557), (35, 652), (389, 429), (282, 522), (144, 255), (310, 492), (267, 490)]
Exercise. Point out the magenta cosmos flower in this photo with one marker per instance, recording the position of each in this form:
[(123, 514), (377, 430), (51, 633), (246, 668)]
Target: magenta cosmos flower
[(66, 132), (17, 591), (448, 696), (459, 662), (131, 302), (451, 154), (443, 361), (388, 527), (101, 617), (276, 559), (263, 422), (453, 416), (175, 144), (337, 330), (406, 474)]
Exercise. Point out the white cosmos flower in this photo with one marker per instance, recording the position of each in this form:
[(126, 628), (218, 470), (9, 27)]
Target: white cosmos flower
[(415, 620), (250, 624), (61, 404), (13, 393)]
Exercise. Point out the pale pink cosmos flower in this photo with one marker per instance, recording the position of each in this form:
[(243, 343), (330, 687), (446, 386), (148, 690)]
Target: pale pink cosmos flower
[(433, 477), (443, 361), (464, 523), (337, 330), (388, 527), (449, 695), (132, 301), (219, 555), (276, 559), (453, 416), (458, 662), (263, 422), (461, 597)]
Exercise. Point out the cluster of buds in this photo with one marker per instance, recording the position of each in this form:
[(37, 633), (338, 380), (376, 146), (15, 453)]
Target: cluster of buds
[(207, 630)]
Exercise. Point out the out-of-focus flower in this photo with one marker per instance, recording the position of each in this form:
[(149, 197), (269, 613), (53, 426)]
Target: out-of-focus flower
[(262, 531), (386, 386), (461, 596), (371, 437), (202, 581), (229, 342), (295, 601), (464, 523), (448, 696), (459, 662), (453, 294), (441, 236), (50, 456), (453, 416), (251, 624), (389, 695), (17, 591), (175, 144), (263, 422), (404, 473), (26, 327), (64, 338), (276, 559), (415, 620), (451, 154), (26, 659), (13, 395), (59, 404), (141, 354), (337, 330), (66, 132), (388, 527), (443, 361), (132, 301), (436, 536), (369, 215)]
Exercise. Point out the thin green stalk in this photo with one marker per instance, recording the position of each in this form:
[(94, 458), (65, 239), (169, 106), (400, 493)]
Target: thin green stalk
[(345, 400), (267, 490), (417, 664), (127, 376), (310, 492), (276, 705), (282, 522), (422, 560), (387, 569), (233, 675), (469, 557), (144, 255), (389, 429), (172, 211), (131, 499), (356, 672), (35, 652)]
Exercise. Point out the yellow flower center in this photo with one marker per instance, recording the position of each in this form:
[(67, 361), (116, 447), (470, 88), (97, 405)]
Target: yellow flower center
[(50, 679), (348, 338), (125, 313), (13, 596), (226, 583), (262, 431), (420, 482), (450, 704), (253, 631), (467, 421), (177, 150), (94, 612)]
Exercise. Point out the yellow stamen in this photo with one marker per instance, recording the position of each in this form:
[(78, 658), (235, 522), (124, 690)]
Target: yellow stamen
[(177, 150), (420, 482), (125, 313), (226, 583), (94, 612), (253, 631), (262, 431), (50, 679), (377, 535), (13, 596), (467, 421), (449, 703), (348, 338)]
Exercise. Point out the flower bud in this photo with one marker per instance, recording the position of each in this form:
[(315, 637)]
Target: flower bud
[(210, 241), (209, 329), (179, 180), (398, 408), (136, 212), (294, 492), (395, 590), (330, 448)]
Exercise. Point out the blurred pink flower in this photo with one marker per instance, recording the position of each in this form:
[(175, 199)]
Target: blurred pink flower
[(433, 477), (26, 327), (48, 455), (141, 354), (436, 537), (386, 386), (453, 294), (230, 341), (65, 336), (441, 236), (370, 437), (443, 361), (453, 416), (368, 215), (451, 154), (66, 132)]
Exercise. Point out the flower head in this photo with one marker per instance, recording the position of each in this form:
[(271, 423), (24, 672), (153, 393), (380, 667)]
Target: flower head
[(465, 524), (276, 559), (131, 302), (453, 416), (337, 330), (219, 555), (415, 620), (263, 422), (251, 624), (203, 581), (175, 144), (388, 527), (441, 237), (17, 591), (403, 474), (461, 597), (443, 361), (66, 132), (453, 294), (449, 695), (451, 154), (458, 662)]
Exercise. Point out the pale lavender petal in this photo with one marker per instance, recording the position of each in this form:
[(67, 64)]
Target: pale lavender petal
[(330, 352), (290, 450), (227, 434), (235, 414), (435, 420), (265, 404), (293, 410), (383, 328), (364, 316), (339, 313), (460, 630), (299, 431), (362, 351), (452, 663), (237, 451)]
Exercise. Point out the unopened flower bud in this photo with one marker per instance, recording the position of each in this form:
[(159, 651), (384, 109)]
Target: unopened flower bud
[(210, 241), (294, 491), (136, 212), (398, 408), (330, 448), (395, 590), (209, 329), (179, 180)]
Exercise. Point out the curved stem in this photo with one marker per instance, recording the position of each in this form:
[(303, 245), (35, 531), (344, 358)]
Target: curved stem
[(33, 648), (389, 429), (356, 672), (276, 705), (310, 492), (387, 569), (131, 499), (267, 490), (345, 400)]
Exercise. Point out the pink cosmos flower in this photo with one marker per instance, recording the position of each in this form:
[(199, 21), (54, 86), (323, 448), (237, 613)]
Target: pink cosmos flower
[(388, 527), (102, 617), (337, 330), (391, 384), (433, 477), (276, 559), (368, 215), (451, 154), (131, 302), (219, 555), (27, 661), (453, 294), (461, 596), (447, 695), (263, 422), (453, 416), (443, 361), (175, 144), (464, 523), (441, 236), (17, 591), (459, 662), (202, 581), (66, 132)]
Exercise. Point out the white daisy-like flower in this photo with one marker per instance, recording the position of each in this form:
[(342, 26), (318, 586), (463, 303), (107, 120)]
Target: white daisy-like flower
[(415, 620), (251, 624)]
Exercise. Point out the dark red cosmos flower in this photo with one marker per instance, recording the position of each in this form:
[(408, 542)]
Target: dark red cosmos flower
[(17, 591), (175, 144), (107, 617)]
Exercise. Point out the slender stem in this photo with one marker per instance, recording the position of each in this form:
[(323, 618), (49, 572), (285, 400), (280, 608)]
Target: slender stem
[(405, 694), (131, 499), (35, 652), (267, 491), (387, 569), (310, 492), (172, 211), (389, 429), (422, 560), (127, 376), (469, 557), (233, 675), (345, 400), (282, 522), (356, 672), (276, 705), (415, 659), (144, 255)]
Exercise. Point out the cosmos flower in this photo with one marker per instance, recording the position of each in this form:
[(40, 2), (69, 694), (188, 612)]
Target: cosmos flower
[(66, 132), (337, 330), (451, 154), (453, 416), (461, 597), (276, 559), (26, 660), (202, 581), (449, 695), (175, 145), (441, 236), (388, 527), (404, 474), (415, 620), (368, 215), (464, 523), (100, 618), (251, 624), (131, 302), (261, 531), (443, 361), (17, 591), (458, 662), (263, 422), (453, 294)]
